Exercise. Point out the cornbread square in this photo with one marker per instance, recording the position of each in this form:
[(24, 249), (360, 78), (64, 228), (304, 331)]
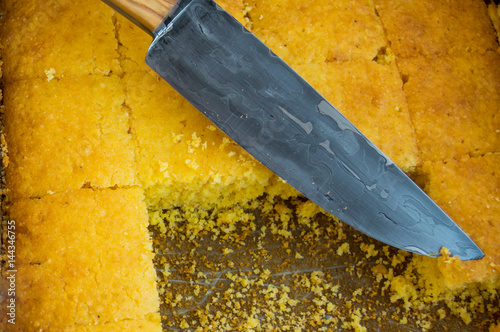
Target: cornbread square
[(428, 27), (468, 190), (371, 96), (83, 257), (66, 134), (182, 157), (55, 36), (454, 102), (319, 31)]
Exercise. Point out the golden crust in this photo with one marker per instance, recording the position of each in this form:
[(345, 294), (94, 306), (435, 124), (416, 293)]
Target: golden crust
[(66, 134), (84, 269), (426, 27), (453, 101)]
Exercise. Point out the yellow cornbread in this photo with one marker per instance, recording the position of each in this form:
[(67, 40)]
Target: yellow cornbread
[(83, 258), (454, 100), (98, 142), (88, 131), (304, 32), (348, 61), (436, 27), (46, 41)]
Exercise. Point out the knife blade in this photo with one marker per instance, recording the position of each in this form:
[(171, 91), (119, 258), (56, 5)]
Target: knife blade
[(275, 115)]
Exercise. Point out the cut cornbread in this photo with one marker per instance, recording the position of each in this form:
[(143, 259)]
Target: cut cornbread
[(178, 146), (67, 133), (215, 171), (220, 266), (355, 71), (342, 82), (83, 258), (474, 211), (55, 35), (454, 100), (427, 27), (304, 32)]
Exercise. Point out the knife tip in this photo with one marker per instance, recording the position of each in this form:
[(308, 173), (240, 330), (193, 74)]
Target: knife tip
[(467, 254), (464, 254)]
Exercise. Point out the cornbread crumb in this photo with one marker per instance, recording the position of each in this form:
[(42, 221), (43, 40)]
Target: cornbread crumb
[(50, 74), (343, 249)]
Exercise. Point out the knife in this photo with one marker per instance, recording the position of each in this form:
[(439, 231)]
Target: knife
[(268, 109)]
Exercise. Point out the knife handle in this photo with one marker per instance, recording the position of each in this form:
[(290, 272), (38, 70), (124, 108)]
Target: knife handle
[(147, 14)]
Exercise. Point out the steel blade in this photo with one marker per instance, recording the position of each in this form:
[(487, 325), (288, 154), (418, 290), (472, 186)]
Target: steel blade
[(262, 104)]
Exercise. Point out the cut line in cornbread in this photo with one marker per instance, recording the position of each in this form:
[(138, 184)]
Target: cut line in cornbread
[(454, 103), (67, 134), (304, 32), (427, 27), (371, 96), (494, 12)]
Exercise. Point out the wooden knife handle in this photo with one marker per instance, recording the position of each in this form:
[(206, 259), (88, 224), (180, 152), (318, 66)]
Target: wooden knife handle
[(148, 13)]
